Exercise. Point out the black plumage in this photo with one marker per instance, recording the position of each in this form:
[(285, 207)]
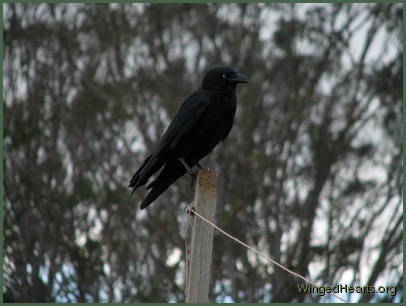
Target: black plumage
[(204, 119)]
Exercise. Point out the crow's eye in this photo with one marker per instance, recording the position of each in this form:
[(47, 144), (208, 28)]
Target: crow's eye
[(224, 76)]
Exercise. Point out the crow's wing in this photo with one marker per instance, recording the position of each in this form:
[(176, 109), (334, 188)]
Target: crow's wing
[(185, 119), (229, 122)]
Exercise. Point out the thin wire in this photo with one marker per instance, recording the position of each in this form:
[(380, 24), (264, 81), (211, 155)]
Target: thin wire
[(189, 208)]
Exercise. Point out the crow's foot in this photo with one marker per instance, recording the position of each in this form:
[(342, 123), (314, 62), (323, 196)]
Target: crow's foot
[(189, 169)]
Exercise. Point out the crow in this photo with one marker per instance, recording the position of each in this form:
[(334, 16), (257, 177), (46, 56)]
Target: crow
[(203, 120)]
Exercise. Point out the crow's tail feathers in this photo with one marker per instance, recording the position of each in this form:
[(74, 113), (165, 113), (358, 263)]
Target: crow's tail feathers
[(147, 169), (172, 171)]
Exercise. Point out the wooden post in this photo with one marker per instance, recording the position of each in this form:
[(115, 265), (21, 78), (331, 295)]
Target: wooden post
[(200, 238)]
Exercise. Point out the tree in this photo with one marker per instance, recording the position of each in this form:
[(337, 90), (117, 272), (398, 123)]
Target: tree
[(89, 90)]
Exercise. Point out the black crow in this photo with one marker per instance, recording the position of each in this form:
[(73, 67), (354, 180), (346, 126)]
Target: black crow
[(202, 121)]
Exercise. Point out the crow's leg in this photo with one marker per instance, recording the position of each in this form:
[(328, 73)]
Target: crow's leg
[(192, 172), (187, 167)]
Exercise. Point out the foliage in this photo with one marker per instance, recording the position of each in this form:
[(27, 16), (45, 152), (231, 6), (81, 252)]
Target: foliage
[(311, 172)]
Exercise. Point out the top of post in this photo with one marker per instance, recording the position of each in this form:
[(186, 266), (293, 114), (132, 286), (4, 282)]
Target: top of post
[(207, 179)]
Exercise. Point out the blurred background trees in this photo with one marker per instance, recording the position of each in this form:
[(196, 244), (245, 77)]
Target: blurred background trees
[(311, 172)]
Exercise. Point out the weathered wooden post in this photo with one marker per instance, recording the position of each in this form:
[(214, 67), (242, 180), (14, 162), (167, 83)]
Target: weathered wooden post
[(200, 238)]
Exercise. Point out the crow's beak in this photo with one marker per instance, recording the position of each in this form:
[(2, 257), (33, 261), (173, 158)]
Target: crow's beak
[(238, 78)]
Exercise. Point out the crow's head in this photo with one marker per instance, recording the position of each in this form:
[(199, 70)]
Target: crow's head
[(222, 78)]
